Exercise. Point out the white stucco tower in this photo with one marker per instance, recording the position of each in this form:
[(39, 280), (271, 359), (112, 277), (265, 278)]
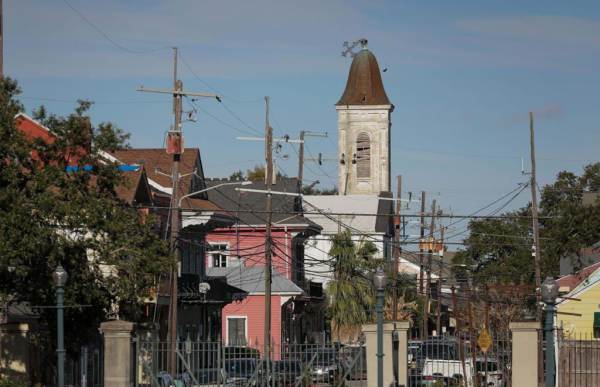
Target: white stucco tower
[(364, 121)]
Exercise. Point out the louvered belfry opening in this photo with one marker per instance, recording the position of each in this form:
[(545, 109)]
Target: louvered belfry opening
[(363, 156)]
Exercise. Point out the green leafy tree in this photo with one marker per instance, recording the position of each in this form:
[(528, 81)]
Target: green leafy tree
[(49, 217), (351, 291), (500, 249)]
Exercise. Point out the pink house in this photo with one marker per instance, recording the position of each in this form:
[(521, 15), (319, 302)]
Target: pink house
[(237, 252)]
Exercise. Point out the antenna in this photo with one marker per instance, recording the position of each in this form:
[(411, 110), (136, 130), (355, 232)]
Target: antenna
[(350, 46)]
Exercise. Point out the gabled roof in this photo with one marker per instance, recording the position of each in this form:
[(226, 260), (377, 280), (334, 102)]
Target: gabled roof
[(348, 205), (286, 209), (572, 281), (134, 188), (364, 85), (252, 280), (157, 164)]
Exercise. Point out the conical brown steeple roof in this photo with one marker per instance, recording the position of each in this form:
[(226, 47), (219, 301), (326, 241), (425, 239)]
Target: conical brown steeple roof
[(364, 85)]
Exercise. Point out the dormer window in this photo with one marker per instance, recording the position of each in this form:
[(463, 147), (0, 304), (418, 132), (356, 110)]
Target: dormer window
[(363, 156)]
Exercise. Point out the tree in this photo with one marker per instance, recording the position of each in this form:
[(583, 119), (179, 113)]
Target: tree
[(351, 291), (49, 217), (237, 175), (500, 249), (258, 173), (311, 190)]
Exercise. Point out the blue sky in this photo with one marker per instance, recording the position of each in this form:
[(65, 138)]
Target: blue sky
[(463, 76)]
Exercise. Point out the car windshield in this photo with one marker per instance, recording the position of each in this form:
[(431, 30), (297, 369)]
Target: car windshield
[(438, 351), (491, 366), (208, 376), (322, 357), (240, 367), (288, 366)]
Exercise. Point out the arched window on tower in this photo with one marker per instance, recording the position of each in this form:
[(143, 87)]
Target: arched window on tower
[(363, 156)]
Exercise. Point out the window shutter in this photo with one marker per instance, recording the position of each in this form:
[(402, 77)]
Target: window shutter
[(363, 156)]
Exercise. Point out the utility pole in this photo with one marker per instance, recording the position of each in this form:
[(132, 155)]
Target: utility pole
[(461, 349), (421, 271), (175, 146), (269, 209), (428, 285), (438, 310), (301, 159), (397, 249), (534, 214), (175, 223)]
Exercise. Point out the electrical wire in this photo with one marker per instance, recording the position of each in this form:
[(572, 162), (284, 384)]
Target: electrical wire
[(107, 37)]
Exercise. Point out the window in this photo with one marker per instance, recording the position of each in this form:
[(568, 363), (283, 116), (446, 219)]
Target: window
[(363, 156), (236, 331), (596, 325), (218, 253)]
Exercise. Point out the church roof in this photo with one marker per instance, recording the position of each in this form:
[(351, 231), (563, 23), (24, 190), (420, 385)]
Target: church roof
[(364, 85)]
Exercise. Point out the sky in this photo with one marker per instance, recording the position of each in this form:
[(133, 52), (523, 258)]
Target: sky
[(462, 75)]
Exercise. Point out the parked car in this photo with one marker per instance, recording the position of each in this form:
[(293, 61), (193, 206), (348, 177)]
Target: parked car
[(324, 364), (240, 372), (240, 352), (212, 377), (354, 362), (494, 373), (438, 360), (287, 372)]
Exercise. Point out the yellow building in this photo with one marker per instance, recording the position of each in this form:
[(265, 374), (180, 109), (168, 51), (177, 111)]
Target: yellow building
[(584, 286)]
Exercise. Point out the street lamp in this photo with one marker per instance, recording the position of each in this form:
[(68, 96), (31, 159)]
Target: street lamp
[(379, 280), (549, 290), (60, 279)]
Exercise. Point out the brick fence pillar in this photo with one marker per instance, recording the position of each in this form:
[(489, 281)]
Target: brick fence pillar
[(525, 353), (117, 353)]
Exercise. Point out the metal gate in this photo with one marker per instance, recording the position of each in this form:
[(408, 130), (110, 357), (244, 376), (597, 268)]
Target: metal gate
[(457, 361), (578, 360), (201, 363)]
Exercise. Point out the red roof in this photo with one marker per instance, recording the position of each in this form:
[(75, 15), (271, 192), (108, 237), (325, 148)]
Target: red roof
[(157, 164), (572, 280)]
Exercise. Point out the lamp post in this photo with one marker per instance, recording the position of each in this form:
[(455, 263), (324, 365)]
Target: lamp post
[(60, 279), (379, 281), (549, 290)]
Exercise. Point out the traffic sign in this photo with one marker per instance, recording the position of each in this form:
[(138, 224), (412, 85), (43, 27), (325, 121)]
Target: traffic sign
[(484, 340)]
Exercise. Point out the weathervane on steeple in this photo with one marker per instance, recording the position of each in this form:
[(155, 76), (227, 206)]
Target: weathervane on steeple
[(350, 46)]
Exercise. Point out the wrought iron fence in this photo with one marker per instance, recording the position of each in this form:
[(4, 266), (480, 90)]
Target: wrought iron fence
[(201, 363), (578, 360), (451, 360)]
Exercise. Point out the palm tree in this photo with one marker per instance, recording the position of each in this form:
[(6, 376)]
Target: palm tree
[(351, 294)]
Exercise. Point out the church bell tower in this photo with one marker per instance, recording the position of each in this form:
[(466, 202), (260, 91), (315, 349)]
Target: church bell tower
[(364, 121)]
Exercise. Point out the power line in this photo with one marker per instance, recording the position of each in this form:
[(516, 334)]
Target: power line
[(107, 37), (191, 70)]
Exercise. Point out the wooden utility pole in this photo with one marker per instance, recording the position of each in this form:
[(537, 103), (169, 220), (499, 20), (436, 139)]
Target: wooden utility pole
[(269, 210), (175, 147), (301, 161), (397, 249), (422, 240), (534, 214), (175, 223), (428, 285), (472, 338), (438, 310), (461, 349)]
